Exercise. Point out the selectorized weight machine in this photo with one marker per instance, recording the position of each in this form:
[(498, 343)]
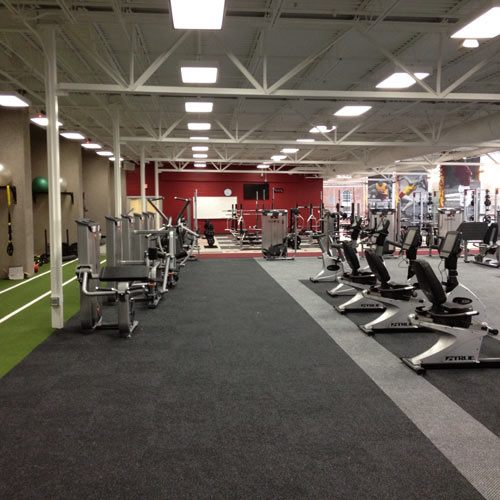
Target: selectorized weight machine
[(129, 282)]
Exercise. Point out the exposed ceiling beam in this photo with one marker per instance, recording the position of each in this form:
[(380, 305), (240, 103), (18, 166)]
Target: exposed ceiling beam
[(70, 87)]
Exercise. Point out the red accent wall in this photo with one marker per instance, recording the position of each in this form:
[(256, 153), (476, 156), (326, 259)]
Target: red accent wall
[(297, 189)]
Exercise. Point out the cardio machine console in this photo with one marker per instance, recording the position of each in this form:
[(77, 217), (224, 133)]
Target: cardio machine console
[(451, 244)]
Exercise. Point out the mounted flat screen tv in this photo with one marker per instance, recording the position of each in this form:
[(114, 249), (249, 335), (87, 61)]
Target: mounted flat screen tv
[(250, 191)]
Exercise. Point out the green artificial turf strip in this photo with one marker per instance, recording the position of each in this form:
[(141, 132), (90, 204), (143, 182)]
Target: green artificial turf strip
[(12, 300), (23, 332), (8, 283)]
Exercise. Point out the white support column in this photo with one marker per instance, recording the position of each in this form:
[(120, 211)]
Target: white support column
[(143, 180), (51, 104), (117, 174), (157, 193)]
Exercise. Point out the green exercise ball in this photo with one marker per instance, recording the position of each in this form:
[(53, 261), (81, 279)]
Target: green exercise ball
[(63, 184), (5, 176), (40, 185)]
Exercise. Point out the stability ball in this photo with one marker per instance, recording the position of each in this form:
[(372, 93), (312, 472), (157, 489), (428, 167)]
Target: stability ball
[(5, 176), (63, 184), (40, 185)]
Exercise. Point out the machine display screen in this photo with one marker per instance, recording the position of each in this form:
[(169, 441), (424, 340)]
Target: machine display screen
[(449, 244), (409, 238)]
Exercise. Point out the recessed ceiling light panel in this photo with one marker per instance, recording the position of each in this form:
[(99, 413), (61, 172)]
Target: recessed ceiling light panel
[(197, 14), (91, 145), (321, 129), (485, 26), (199, 107), (197, 74), (74, 136), (352, 110), (290, 151), (199, 126), (400, 80), (42, 121), (200, 148), (13, 101)]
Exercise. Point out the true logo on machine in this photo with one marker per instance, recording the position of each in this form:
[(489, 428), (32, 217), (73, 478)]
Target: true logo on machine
[(459, 358)]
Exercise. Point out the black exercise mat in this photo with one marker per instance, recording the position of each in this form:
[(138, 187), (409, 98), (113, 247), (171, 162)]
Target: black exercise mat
[(477, 391)]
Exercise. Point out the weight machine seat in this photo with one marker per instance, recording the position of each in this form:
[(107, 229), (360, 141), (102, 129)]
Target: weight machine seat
[(181, 254), (124, 273)]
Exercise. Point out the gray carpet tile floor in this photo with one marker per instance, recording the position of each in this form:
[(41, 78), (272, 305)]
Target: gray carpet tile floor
[(230, 389)]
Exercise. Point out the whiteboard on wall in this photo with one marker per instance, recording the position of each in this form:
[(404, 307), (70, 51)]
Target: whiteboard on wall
[(215, 207)]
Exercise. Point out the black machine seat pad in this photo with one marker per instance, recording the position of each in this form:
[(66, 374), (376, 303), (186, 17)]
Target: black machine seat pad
[(350, 255), (377, 266), (429, 283), (364, 278), (398, 291), (124, 273)]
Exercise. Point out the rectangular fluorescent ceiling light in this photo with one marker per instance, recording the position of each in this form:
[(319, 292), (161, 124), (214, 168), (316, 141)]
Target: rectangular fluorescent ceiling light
[(74, 136), (199, 107), (200, 148), (199, 138), (197, 14), (91, 145), (199, 126), (262, 165), (42, 121), (196, 74), (485, 26), (290, 151), (278, 157), (112, 158), (400, 80), (321, 129), (305, 140), (200, 155), (13, 101), (104, 153), (352, 110), (200, 165)]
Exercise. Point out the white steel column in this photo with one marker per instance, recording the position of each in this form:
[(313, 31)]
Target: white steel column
[(51, 104), (143, 179), (117, 174), (157, 193)]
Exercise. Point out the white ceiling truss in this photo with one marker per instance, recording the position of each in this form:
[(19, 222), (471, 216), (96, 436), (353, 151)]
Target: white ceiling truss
[(285, 66)]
